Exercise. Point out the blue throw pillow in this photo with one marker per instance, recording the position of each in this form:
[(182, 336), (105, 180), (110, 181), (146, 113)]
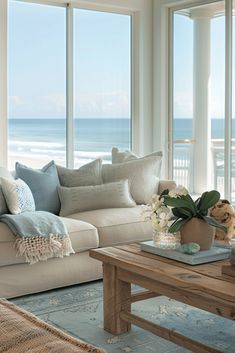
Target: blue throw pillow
[(43, 184)]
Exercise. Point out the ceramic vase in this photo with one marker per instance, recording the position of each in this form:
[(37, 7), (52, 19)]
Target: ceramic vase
[(198, 231)]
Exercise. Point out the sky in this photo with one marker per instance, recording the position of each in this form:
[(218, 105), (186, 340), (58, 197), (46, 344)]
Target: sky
[(37, 62), (183, 67), (102, 45)]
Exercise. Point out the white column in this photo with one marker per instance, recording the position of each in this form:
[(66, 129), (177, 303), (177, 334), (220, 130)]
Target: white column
[(3, 82), (142, 81), (201, 100)]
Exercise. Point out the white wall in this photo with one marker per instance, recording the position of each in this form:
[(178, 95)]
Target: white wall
[(142, 70)]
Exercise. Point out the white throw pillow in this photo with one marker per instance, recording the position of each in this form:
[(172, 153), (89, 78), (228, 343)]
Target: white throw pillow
[(86, 198), (142, 174), (88, 174), (126, 156), (18, 195)]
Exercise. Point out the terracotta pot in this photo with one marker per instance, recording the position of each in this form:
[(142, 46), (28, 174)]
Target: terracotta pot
[(198, 231)]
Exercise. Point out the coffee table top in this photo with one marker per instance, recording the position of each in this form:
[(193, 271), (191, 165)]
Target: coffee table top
[(205, 279)]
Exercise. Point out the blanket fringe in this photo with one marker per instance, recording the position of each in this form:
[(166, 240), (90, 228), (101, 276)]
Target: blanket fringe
[(37, 248)]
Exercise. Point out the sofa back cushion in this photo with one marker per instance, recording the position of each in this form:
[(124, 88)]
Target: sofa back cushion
[(85, 198), (3, 204), (4, 173), (88, 174), (142, 174), (43, 184), (126, 156)]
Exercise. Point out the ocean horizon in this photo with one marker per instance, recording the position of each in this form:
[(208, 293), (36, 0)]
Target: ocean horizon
[(93, 137)]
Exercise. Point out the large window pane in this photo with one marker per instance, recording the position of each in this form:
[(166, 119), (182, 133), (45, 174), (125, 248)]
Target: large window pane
[(183, 100), (198, 97), (37, 83), (102, 81)]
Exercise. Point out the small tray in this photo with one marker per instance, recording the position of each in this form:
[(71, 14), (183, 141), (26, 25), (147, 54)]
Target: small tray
[(216, 253)]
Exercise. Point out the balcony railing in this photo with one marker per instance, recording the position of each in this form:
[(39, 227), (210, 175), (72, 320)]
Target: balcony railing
[(182, 162), (183, 167)]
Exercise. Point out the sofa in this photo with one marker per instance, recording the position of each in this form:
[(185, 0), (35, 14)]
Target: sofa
[(87, 230)]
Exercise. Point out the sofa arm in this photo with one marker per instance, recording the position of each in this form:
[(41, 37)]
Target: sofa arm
[(166, 184)]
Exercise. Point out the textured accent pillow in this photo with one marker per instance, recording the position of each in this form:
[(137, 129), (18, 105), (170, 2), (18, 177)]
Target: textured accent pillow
[(4, 173), (18, 195), (86, 198), (88, 174), (142, 174), (43, 184), (126, 156)]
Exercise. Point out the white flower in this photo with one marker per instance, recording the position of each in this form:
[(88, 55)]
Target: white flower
[(157, 213), (178, 191), (156, 202), (146, 212)]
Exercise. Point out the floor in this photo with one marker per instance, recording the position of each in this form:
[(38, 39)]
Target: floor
[(78, 310)]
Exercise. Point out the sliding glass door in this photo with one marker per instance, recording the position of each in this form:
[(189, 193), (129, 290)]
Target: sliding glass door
[(200, 119)]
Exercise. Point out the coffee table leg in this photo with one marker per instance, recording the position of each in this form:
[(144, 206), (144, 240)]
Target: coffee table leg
[(116, 299)]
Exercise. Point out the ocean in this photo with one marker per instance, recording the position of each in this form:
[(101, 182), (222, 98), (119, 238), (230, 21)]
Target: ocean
[(45, 139)]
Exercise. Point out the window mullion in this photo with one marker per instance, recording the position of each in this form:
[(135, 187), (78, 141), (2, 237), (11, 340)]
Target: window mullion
[(69, 88), (228, 97), (170, 145)]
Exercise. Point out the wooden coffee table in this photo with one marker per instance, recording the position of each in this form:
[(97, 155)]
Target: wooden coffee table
[(202, 286)]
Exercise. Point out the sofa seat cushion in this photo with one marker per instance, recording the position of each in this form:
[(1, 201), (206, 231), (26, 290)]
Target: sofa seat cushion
[(117, 225), (83, 236)]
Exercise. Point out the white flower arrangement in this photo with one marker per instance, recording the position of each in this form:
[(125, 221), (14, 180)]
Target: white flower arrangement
[(169, 211), (160, 214)]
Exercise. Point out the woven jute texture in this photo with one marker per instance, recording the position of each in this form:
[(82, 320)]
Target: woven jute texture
[(22, 332)]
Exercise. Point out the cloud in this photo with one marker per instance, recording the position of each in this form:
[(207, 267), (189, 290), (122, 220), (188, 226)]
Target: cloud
[(103, 105), (16, 101), (56, 102), (98, 105)]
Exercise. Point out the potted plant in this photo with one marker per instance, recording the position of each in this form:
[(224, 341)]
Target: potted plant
[(191, 217)]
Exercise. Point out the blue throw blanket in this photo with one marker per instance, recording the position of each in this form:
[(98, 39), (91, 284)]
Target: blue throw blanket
[(39, 235)]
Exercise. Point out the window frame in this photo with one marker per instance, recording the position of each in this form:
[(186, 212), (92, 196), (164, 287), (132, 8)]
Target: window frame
[(141, 74)]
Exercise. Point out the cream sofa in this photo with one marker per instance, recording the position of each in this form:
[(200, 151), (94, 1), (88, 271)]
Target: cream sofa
[(87, 230)]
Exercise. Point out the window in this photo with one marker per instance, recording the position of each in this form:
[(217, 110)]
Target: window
[(37, 84), (102, 81)]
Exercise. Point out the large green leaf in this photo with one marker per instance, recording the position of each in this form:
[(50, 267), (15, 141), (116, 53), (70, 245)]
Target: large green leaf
[(183, 201), (182, 212), (175, 227), (201, 199), (214, 223), (208, 199)]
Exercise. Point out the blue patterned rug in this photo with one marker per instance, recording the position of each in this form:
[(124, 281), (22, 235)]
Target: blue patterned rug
[(78, 310)]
